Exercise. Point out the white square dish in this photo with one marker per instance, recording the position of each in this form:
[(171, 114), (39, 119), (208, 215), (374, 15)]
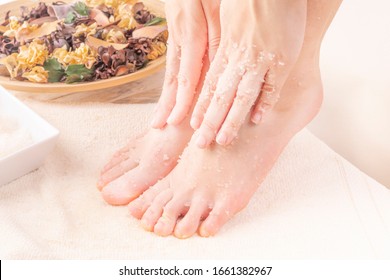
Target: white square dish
[(42, 140)]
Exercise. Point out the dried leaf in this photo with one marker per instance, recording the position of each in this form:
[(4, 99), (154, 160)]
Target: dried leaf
[(95, 43), (149, 31), (55, 70), (70, 18), (100, 17), (81, 9), (3, 28), (39, 21), (78, 73), (11, 63), (25, 35), (155, 21), (60, 11)]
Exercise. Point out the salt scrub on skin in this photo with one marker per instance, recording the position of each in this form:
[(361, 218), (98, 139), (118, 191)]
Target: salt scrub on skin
[(13, 136)]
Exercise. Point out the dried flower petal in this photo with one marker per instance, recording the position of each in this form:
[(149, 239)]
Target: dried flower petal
[(33, 54), (125, 16), (81, 55), (115, 36), (85, 30), (96, 43), (158, 49), (11, 63), (36, 75)]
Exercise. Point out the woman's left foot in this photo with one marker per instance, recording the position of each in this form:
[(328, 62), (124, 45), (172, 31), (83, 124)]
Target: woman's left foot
[(211, 185)]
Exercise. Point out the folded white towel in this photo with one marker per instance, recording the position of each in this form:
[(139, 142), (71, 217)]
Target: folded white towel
[(313, 204)]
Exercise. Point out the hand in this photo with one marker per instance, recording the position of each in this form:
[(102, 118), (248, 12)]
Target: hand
[(260, 42), (193, 27)]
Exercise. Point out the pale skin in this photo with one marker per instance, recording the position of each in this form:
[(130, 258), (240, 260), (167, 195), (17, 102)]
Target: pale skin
[(207, 187)]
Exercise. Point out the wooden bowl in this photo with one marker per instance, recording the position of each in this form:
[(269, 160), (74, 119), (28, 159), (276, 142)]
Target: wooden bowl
[(156, 6)]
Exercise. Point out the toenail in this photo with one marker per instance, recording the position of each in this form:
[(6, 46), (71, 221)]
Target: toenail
[(172, 118), (201, 141), (183, 236), (100, 183), (195, 123), (256, 118), (146, 226), (204, 233), (154, 122)]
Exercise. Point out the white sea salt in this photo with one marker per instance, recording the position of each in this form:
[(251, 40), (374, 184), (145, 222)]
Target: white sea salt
[(13, 135)]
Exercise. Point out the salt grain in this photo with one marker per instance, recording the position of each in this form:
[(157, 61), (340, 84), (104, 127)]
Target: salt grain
[(13, 136)]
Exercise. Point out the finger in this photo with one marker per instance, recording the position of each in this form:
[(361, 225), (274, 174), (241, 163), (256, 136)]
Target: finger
[(269, 96), (188, 78), (220, 105), (209, 86), (168, 95), (211, 10), (247, 93)]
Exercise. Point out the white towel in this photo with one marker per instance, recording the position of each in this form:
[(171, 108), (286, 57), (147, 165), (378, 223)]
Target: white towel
[(314, 204)]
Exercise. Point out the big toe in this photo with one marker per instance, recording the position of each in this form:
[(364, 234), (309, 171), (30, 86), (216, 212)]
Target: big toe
[(126, 188)]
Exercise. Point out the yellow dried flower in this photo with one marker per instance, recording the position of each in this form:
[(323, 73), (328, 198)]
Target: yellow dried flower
[(38, 74), (108, 3), (85, 30), (34, 54), (125, 16), (82, 55), (11, 63), (13, 26), (158, 48), (115, 36)]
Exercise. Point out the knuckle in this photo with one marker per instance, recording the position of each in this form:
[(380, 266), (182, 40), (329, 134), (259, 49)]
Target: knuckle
[(247, 97), (209, 126), (169, 79)]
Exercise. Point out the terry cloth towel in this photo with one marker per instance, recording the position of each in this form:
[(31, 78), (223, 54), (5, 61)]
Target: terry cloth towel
[(314, 204)]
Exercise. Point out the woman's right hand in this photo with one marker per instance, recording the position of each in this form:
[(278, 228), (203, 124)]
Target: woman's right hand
[(194, 28)]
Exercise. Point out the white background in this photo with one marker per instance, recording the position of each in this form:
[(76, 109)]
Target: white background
[(355, 63)]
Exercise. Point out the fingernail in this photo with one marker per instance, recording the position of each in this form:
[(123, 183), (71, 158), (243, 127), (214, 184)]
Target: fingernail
[(195, 123), (256, 118), (171, 119), (100, 183), (222, 138), (154, 122), (201, 141), (204, 233)]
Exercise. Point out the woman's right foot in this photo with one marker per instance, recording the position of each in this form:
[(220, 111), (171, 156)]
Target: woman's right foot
[(143, 162)]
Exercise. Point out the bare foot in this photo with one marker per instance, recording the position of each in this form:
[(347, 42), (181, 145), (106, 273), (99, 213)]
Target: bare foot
[(142, 163), (208, 187)]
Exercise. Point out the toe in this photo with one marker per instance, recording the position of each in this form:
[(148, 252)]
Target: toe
[(190, 222), (127, 187), (138, 206), (167, 221), (215, 220), (118, 170), (154, 212)]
